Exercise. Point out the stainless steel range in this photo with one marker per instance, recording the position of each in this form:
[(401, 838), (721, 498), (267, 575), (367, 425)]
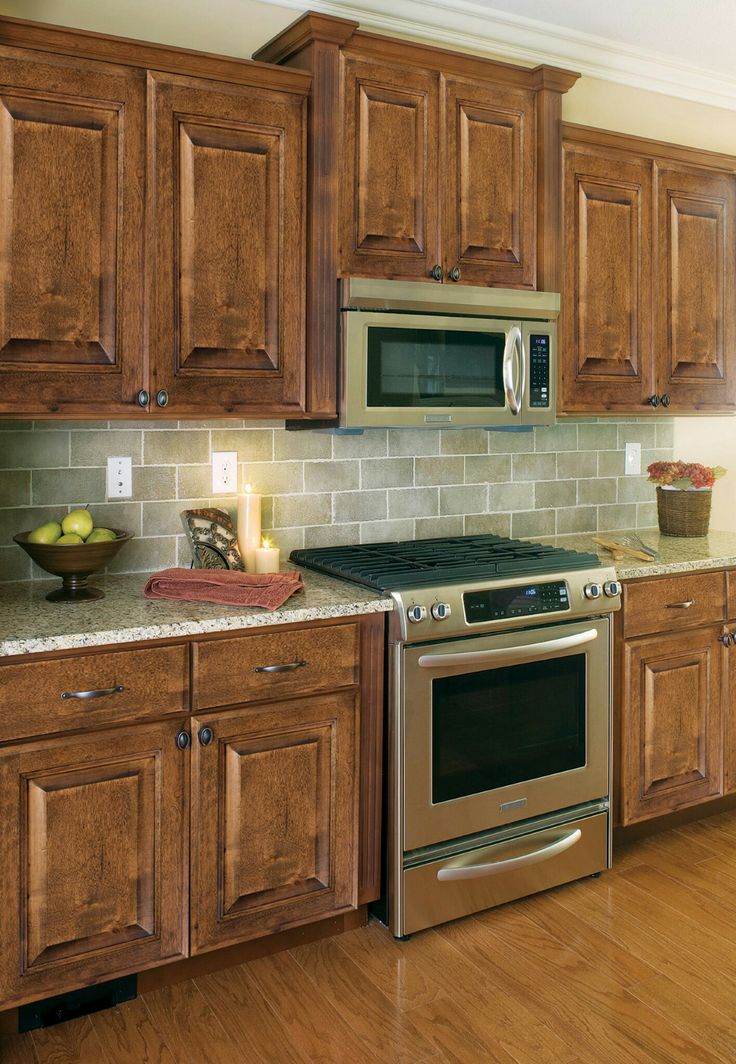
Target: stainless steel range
[(499, 708)]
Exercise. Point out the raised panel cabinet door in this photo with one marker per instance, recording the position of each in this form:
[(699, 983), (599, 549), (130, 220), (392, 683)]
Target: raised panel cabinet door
[(671, 723), (72, 174), (605, 350), (389, 198), (274, 813), (227, 334), (93, 859), (696, 287), (490, 184)]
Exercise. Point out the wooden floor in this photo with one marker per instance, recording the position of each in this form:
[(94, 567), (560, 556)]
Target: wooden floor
[(639, 965)]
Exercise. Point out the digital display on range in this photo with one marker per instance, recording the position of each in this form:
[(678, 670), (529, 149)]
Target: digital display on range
[(499, 604)]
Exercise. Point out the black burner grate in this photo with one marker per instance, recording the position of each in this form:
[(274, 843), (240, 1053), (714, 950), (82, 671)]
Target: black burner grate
[(449, 560)]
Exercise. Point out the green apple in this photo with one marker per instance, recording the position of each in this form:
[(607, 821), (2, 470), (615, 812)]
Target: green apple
[(78, 522), (48, 533), (100, 535), (68, 539)]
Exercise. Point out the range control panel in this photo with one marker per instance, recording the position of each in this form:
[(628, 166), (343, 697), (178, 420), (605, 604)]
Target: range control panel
[(539, 369), (498, 604)]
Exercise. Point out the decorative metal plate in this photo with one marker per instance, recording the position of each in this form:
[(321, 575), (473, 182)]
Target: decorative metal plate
[(212, 538)]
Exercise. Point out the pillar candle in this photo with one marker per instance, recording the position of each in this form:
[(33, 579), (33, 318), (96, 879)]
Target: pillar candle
[(249, 526), (267, 558)]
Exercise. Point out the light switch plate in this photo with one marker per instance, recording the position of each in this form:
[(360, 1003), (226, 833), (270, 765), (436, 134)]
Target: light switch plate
[(119, 477), (632, 459), (224, 472)]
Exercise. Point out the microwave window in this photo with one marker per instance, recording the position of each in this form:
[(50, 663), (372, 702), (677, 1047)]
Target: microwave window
[(434, 367)]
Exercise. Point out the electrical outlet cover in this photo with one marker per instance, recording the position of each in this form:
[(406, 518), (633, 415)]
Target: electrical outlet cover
[(632, 459), (224, 472), (119, 477)]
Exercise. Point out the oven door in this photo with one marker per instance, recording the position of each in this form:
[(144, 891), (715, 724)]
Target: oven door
[(501, 728)]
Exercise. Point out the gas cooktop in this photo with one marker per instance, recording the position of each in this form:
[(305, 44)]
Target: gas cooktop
[(449, 560)]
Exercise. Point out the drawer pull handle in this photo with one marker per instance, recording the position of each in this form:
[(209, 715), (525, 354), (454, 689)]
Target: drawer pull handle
[(95, 694), (280, 668), (681, 605)]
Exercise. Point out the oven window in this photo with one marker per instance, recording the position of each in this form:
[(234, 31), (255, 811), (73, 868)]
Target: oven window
[(503, 726), (434, 367)]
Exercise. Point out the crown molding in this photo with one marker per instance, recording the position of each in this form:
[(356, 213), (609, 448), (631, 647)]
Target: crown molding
[(473, 27)]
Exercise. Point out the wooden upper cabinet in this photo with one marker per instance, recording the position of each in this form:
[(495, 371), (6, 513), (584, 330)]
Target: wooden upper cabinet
[(606, 331), (489, 182), (389, 223), (93, 859), (273, 818), (696, 294), (228, 326), (71, 236), (649, 312)]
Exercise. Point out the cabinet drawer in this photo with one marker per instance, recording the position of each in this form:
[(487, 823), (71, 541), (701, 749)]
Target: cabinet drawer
[(153, 681), (673, 602), (274, 665)]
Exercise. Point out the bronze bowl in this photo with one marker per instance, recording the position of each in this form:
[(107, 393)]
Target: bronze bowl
[(73, 562)]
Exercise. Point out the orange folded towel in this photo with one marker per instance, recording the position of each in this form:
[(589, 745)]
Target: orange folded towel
[(225, 586)]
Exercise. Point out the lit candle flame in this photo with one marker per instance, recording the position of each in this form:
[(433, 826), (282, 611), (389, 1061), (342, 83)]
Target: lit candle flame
[(248, 487), (266, 544)]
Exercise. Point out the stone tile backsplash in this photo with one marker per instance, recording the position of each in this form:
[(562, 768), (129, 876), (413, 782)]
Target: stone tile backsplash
[(320, 488)]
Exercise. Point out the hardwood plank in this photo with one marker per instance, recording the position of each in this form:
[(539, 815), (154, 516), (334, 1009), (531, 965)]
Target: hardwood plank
[(246, 1015), (17, 1049), (372, 1015), (715, 914), (313, 1024), (74, 1042), (687, 1013), (189, 1027), (127, 1033)]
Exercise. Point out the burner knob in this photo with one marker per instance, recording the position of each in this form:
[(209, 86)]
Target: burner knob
[(416, 614), (441, 611), (612, 588), (592, 591)]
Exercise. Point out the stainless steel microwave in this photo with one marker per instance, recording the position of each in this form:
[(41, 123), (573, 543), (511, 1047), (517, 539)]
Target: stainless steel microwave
[(429, 355)]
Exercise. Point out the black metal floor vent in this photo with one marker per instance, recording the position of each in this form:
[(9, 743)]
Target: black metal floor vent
[(76, 1003)]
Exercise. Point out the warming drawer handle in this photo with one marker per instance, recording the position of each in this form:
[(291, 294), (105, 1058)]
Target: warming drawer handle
[(681, 605), (512, 352), (280, 668), (461, 868), (95, 694), (508, 655)]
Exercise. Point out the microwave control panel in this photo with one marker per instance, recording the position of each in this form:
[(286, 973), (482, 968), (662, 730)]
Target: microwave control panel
[(539, 369), (498, 604)]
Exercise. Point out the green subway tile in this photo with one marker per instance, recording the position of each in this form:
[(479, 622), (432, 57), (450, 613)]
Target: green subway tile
[(468, 499), (510, 442), (287, 540), (372, 444), (252, 445), (93, 448), (597, 490), (301, 445), (177, 447), (34, 450), (508, 497), (15, 487), (577, 519), (73, 487), (290, 511), (154, 482), (635, 489), (331, 476), (386, 472), (646, 515), (331, 535), (487, 467), (445, 470), (25, 519), (575, 465), (643, 433), (430, 527), (351, 506), (464, 441), (533, 467), (532, 523), (15, 564), (194, 482), (555, 493), (556, 438), (385, 531), (145, 555), (597, 437), (610, 463), (125, 515), (488, 525), (273, 478), (164, 518), (413, 502), (413, 442), (611, 518)]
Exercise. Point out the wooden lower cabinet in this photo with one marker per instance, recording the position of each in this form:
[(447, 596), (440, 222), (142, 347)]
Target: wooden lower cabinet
[(671, 734), (92, 858), (274, 817)]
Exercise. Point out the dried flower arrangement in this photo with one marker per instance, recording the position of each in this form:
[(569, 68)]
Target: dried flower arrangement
[(684, 476)]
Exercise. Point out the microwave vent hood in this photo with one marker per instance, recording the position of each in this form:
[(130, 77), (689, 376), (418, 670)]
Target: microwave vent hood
[(363, 293)]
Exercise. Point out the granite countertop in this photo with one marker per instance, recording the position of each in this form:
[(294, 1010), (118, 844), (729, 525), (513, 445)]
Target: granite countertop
[(31, 625), (717, 550)]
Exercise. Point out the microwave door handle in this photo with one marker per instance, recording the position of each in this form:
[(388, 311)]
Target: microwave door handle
[(507, 655), (464, 867), (511, 355), (522, 371)]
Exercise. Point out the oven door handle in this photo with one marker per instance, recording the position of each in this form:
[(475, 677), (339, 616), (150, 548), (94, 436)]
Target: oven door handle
[(465, 867), (508, 655), (513, 352)]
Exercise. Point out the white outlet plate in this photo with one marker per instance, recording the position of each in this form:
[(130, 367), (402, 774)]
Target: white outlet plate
[(632, 459), (119, 477), (224, 472)]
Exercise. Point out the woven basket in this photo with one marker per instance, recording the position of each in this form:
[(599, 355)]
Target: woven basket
[(683, 513)]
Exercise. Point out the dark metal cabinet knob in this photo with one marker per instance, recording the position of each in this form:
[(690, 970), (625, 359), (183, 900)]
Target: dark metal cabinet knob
[(727, 639), (664, 399), (206, 735), (162, 397), (143, 398), (183, 739), (454, 273), (653, 400), (436, 273)]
